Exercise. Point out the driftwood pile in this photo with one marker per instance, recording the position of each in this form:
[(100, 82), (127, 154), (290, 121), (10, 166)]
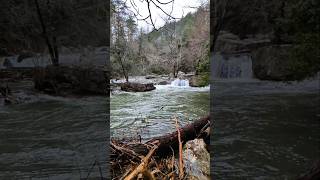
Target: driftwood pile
[(155, 159)]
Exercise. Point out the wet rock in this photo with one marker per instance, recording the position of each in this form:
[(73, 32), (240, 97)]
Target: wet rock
[(199, 81), (137, 87), (64, 80), (196, 160), (163, 83), (272, 63)]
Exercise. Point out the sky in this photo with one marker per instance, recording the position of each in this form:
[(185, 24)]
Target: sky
[(180, 8)]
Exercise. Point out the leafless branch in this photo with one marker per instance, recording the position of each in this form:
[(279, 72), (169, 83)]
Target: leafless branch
[(149, 3)]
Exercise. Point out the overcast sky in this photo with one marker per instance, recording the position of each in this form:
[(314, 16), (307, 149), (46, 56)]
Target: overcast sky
[(180, 8)]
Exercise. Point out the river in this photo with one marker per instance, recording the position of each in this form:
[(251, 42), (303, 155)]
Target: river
[(264, 130), (150, 114), (54, 138)]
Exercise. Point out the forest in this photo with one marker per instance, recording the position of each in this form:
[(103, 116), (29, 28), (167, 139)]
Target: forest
[(179, 45), (281, 36)]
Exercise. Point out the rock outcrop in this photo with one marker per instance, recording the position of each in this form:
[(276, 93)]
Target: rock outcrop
[(137, 87), (272, 63), (71, 80)]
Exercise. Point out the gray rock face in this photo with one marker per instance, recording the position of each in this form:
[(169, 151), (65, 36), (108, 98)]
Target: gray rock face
[(197, 160), (71, 80), (271, 63)]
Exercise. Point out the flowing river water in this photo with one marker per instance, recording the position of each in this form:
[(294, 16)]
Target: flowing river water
[(264, 130), (54, 138), (151, 114)]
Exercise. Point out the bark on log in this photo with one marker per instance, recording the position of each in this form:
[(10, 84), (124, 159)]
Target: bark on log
[(170, 141), (188, 132)]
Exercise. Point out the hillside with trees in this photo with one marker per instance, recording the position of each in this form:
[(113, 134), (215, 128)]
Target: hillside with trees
[(179, 45), (284, 30)]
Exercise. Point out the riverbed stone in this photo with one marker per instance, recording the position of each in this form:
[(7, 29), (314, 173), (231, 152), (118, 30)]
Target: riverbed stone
[(196, 159), (272, 63), (137, 87), (163, 83)]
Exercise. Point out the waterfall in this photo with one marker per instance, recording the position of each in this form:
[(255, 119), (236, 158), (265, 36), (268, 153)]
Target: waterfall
[(180, 82), (232, 66)]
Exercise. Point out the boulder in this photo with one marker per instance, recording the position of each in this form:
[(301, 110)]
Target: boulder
[(272, 63), (196, 159), (199, 81), (137, 87), (163, 83), (64, 80)]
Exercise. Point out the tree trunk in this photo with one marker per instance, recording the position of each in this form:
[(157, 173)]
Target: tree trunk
[(51, 49), (175, 70), (124, 72), (56, 52)]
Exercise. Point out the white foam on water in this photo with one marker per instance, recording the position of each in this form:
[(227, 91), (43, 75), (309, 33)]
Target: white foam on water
[(180, 83)]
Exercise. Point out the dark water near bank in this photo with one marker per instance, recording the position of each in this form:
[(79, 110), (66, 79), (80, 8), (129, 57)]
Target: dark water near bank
[(55, 138), (264, 130)]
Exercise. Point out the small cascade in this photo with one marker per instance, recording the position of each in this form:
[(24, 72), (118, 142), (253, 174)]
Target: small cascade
[(232, 66), (180, 82)]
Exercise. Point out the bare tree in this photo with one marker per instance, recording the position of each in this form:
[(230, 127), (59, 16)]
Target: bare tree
[(174, 43), (120, 43), (52, 45), (156, 3)]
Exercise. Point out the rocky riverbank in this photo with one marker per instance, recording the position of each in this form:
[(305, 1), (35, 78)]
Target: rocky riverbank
[(27, 85), (146, 82)]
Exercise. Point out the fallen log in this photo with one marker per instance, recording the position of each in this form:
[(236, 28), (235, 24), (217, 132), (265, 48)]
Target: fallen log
[(187, 132), (126, 155), (170, 141)]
